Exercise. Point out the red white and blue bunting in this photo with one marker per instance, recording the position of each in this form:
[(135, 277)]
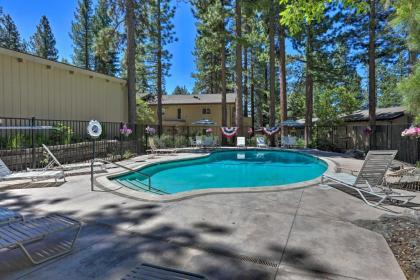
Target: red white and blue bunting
[(271, 130), (229, 131)]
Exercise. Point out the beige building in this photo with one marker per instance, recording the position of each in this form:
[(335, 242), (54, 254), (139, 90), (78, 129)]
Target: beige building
[(31, 86), (186, 110)]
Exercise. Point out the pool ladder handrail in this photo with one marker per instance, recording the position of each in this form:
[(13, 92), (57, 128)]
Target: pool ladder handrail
[(149, 178)]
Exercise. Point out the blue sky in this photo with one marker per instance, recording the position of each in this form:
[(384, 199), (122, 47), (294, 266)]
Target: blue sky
[(27, 13)]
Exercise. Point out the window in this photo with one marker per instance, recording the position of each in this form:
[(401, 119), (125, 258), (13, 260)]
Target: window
[(206, 111), (179, 113)]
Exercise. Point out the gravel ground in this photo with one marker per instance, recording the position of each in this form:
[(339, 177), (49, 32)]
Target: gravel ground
[(403, 236)]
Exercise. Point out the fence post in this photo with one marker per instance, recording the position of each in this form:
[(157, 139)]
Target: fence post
[(121, 125), (173, 136), (33, 142)]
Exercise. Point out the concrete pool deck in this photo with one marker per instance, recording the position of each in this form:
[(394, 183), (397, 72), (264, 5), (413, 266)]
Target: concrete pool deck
[(305, 233)]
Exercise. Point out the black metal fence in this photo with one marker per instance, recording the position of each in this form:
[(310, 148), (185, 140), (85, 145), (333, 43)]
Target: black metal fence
[(331, 138), (21, 142)]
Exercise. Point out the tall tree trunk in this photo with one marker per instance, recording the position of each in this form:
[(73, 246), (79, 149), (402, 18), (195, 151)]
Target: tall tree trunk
[(245, 82), (223, 68), (159, 68), (309, 87), (131, 59), (223, 65), (238, 67), (412, 59), (282, 78), (263, 97), (86, 41), (372, 74), (252, 91), (272, 61)]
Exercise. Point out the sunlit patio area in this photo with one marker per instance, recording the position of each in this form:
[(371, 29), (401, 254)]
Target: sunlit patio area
[(310, 232)]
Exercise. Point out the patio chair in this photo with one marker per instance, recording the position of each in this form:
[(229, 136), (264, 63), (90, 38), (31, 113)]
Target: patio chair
[(240, 142), (369, 181), (292, 141), (154, 150), (35, 175), (22, 233), (198, 141), (285, 141), (215, 141), (261, 142), (208, 141), (67, 167), (149, 271), (192, 142), (9, 216)]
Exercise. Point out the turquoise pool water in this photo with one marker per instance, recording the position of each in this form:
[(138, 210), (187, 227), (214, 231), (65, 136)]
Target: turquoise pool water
[(227, 169)]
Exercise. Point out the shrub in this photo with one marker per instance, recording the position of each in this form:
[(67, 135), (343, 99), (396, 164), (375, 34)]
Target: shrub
[(127, 154), (181, 141), (252, 141), (325, 145), (166, 141), (61, 134), (18, 141)]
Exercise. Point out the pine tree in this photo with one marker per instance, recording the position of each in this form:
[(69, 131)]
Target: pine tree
[(180, 91), (210, 45), (9, 35), (160, 34), (42, 43), (105, 40), (82, 35)]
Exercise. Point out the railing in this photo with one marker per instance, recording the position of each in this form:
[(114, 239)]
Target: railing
[(149, 178), (21, 142)]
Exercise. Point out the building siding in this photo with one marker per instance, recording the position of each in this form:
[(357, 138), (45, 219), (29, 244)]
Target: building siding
[(35, 87)]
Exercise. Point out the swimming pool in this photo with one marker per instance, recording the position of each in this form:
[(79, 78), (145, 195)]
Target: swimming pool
[(226, 169)]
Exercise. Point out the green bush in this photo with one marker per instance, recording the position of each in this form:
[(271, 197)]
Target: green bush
[(181, 141), (252, 141), (18, 141), (324, 145), (127, 154), (300, 143), (166, 141), (61, 134)]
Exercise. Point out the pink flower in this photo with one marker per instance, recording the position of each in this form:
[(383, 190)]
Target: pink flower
[(125, 130), (250, 130), (367, 130), (209, 130), (411, 132)]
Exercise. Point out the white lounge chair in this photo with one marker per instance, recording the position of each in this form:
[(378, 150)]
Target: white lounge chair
[(370, 179), (261, 142), (240, 142), (35, 175), (21, 233), (154, 150), (66, 167)]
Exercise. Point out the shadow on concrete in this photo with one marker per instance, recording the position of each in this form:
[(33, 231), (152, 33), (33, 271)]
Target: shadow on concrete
[(104, 246), (302, 260)]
